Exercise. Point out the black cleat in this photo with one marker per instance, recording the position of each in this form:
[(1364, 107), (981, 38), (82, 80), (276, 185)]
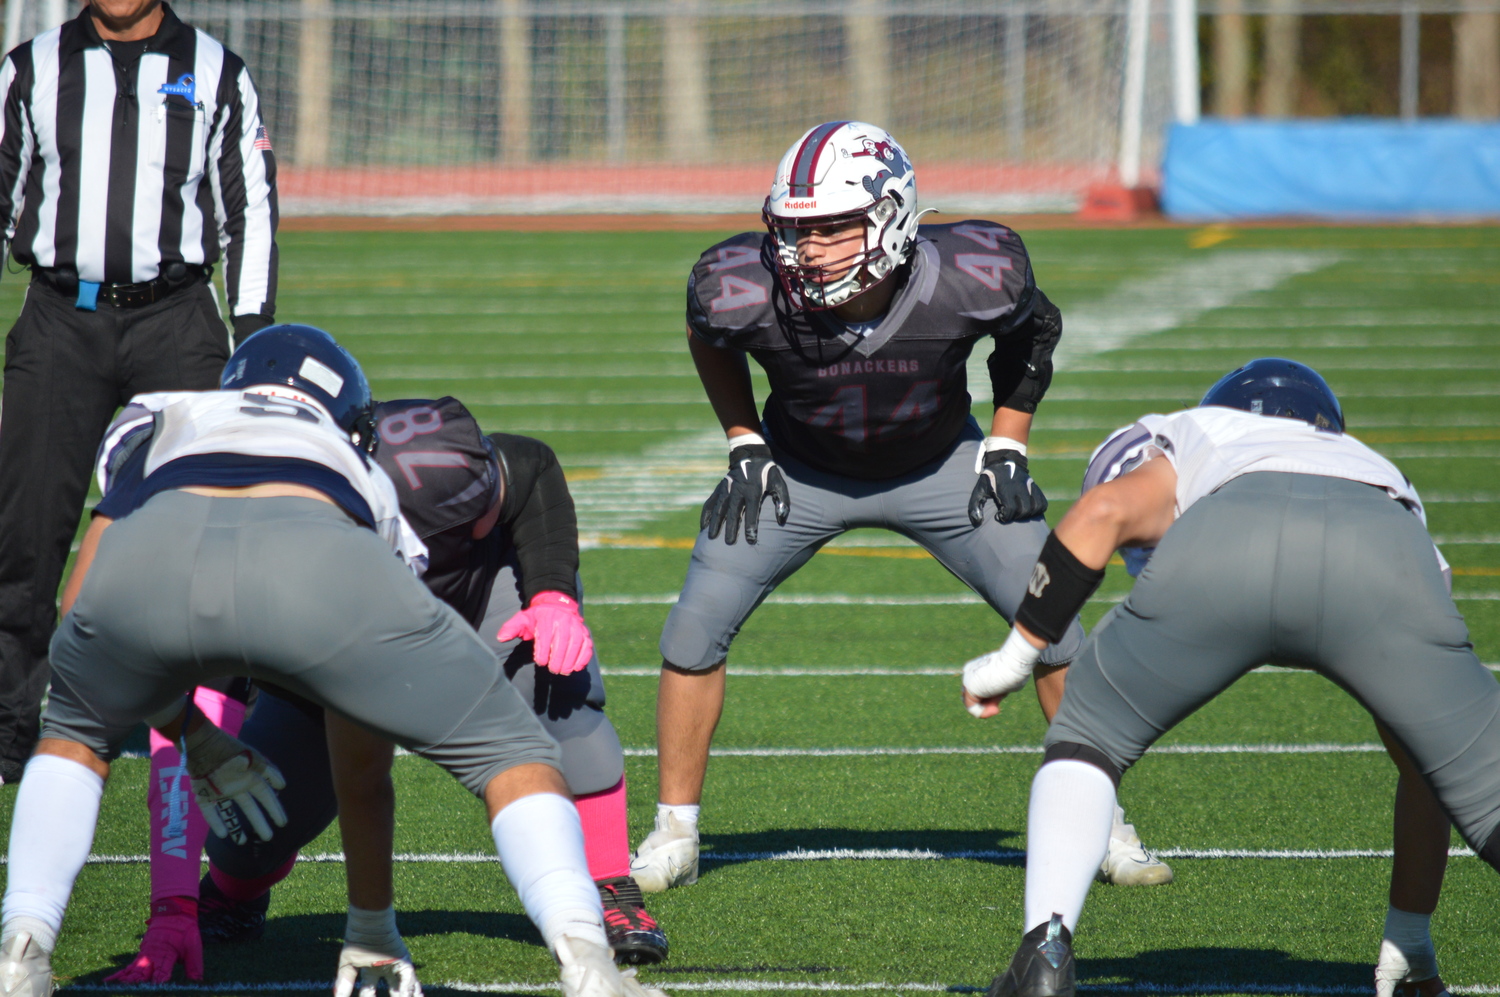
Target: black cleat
[(633, 934), (222, 921), (1043, 965)]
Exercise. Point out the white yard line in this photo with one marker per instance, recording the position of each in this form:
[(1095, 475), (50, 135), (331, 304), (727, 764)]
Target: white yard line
[(856, 855), (1026, 749), (857, 671), (1175, 297), (766, 986), (1142, 391), (844, 599)]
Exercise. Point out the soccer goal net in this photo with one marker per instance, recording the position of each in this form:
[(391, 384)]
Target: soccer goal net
[(497, 106)]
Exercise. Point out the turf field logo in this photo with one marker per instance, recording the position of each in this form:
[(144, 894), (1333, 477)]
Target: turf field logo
[(1040, 579)]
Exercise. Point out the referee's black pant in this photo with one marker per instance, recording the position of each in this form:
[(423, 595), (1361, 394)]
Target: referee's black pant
[(66, 372)]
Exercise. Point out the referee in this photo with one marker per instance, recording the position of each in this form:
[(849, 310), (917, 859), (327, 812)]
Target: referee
[(131, 151)]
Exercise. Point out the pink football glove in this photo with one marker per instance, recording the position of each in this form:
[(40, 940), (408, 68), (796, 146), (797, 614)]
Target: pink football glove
[(563, 643), (171, 937)]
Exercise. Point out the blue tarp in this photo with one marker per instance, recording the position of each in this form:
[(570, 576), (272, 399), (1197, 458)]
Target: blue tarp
[(1333, 169)]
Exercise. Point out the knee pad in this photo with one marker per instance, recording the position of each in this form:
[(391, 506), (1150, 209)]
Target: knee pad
[(1084, 753), (686, 643)]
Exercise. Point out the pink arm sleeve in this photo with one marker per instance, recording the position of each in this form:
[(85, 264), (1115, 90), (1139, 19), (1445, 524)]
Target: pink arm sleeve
[(177, 828)]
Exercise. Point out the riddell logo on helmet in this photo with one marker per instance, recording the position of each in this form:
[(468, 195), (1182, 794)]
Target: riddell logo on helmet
[(799, 204)]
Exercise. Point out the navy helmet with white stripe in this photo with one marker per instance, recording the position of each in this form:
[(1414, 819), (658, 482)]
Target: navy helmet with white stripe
[(309, 361), (1284, 388)]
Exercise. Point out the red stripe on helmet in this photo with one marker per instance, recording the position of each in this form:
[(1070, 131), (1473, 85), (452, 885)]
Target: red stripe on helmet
[(805, 165)]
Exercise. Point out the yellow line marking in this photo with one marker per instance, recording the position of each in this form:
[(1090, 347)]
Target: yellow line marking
[(1480, 572), (686, 543), (1211, 235)]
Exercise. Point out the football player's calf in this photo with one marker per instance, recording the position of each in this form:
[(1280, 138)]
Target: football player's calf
[(633, 934), (990, 678)]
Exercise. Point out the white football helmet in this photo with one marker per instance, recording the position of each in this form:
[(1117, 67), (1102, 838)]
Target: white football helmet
[(842, 171)]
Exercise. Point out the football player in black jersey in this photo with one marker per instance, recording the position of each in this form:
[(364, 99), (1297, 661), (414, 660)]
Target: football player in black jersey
[(499, 525), (863, 321)]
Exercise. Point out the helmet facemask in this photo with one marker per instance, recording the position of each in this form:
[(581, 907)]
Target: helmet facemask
[(818, 287)]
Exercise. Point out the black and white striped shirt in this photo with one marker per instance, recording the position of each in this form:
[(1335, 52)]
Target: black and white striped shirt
[(103, 160)]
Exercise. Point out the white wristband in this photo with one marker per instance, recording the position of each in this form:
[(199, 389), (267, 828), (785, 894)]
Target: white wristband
[(746, 440), (993, 443)]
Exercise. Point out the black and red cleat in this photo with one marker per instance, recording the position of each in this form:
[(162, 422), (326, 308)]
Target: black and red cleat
[(633, 934)]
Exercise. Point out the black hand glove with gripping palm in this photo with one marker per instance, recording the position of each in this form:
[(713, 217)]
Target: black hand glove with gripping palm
[(752, 478), (1005, 480)]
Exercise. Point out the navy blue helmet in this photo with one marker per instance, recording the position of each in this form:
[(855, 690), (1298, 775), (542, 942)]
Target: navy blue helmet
[(1285, 388), (310, 361)]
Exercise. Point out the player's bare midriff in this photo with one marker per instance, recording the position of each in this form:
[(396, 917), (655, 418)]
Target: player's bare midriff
[(266, 489)]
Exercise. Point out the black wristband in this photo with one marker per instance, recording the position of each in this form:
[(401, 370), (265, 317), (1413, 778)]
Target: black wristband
[(1060, 584)]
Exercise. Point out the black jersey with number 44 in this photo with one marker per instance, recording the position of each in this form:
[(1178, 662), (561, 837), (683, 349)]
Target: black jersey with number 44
[(880, 404)]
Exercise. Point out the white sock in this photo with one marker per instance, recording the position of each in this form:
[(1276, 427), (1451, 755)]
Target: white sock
[(1117, 828), (1412, 934), (541, 849), (1067, 834), (686, 814), (51, 832)]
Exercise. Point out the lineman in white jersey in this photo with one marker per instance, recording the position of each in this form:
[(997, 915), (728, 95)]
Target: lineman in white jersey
[(240, 533), (1407, 964), (1277, 538)]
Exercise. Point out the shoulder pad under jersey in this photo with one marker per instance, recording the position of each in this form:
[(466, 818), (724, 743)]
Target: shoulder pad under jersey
[(731, 290), (984, 272)]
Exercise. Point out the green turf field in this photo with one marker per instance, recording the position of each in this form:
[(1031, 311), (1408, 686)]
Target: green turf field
[(578, 339)]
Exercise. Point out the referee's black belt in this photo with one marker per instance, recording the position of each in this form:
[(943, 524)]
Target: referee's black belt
[(174, 277)]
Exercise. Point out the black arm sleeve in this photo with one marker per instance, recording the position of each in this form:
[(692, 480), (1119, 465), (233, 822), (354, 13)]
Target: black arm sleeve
[(539, 513), (1021, 365)]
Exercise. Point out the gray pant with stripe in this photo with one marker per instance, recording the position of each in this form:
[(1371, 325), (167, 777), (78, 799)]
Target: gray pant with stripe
[(725, 583), (1305, 570), (289, 590)]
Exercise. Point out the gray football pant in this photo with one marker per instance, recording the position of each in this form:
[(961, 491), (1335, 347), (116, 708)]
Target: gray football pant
[(929, 506), (291, 735), (289, 590), (1304, 570)]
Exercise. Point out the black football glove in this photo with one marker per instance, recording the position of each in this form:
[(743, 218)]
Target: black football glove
[(1005, 479), (753, 477)]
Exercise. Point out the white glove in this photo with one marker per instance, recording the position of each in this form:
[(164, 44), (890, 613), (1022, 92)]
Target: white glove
[(224, 769), (1001, 672), (373, 951)]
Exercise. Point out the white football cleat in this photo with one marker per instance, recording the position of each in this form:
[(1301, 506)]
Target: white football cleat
[(667, 858), (1393, 976), (1127, 863), (589, 970), (25, 969)]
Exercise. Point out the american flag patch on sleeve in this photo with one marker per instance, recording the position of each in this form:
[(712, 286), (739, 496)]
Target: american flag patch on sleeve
[(262, 140)]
